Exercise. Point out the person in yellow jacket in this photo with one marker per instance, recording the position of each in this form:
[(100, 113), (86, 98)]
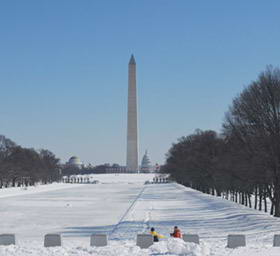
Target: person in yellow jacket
[(156, 235)]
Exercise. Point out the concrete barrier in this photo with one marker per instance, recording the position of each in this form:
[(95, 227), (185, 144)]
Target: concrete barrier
[(276, 241), (235, 241), (98, 240), (191, 238), (144, 240), (7, 239), (52, 240)]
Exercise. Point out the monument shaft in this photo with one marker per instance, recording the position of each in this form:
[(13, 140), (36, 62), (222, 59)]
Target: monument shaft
[(132, 126)]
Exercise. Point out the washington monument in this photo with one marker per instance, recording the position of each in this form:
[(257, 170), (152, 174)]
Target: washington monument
[(132, 126)]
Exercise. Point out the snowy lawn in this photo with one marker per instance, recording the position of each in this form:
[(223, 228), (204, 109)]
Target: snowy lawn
[(122, 206)]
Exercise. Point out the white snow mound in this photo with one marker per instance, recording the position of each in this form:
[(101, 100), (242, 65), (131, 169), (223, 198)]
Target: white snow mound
[(175, 246), (120, 248)]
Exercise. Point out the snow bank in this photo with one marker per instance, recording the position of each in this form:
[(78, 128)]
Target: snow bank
[(175, 246), (170, 247), (245, 251), (120, 248)]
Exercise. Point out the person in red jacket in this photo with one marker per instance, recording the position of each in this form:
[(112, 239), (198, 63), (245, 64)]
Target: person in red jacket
[(176, 233)]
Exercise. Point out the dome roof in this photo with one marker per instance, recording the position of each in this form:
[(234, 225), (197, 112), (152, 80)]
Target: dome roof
[(74, 160), (74, 157)]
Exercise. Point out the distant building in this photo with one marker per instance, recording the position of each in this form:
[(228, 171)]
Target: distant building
[(116, 169), (75, 162), (107, 168), (146, 163)]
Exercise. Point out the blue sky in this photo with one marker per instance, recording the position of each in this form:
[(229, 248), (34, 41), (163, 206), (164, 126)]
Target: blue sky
[(63, 69)]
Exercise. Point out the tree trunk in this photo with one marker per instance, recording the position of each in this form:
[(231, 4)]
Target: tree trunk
[(256, 199), (260, 201), (249, 199), (265, 203), (231, 196), (277, 201), (14, 182), (272, 208), (242, 199)]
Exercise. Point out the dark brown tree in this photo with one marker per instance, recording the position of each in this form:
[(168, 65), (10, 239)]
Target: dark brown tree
[(254, 122), (22, 166), (194, 161)]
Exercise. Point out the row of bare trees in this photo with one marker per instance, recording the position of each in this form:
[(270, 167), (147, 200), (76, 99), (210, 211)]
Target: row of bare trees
[(23, 166), (243, 162)]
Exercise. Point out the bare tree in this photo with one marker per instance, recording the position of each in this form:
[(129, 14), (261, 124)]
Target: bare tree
[(20, 165), (254, 121)]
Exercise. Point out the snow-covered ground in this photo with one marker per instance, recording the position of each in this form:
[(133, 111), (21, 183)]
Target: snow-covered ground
[(122, 206)]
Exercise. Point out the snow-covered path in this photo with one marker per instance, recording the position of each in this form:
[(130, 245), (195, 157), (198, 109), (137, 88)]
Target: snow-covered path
[(122, 206), (72, 209), (165, 205)]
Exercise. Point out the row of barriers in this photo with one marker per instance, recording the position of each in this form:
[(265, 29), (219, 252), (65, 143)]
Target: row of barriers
[(160, 180), (79, 180), (142, 240), (76, 180)]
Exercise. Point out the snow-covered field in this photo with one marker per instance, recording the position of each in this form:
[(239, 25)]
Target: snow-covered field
[(122, 206)]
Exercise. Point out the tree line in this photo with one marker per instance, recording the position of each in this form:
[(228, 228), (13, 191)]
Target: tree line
[(25, 166), (242, 163)]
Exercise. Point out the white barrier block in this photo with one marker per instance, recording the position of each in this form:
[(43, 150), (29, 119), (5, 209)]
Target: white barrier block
[(276, 241), (7, 239), (144, 240), (235, 241), (52, 240), (191, 238), (98, 240)]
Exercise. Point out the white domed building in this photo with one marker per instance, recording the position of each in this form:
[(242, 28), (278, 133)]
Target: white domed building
[(74, 161), (146, 163)]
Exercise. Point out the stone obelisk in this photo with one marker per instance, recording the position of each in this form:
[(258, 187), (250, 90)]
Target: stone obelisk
[(132, 126)]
